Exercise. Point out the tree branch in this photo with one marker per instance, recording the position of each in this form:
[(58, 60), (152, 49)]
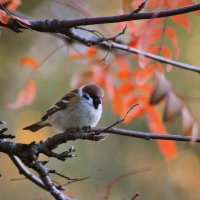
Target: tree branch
[(146, 135), (29, 154), (56, 26), (62, 26), (153, 56), (71, 33), (23, 170)]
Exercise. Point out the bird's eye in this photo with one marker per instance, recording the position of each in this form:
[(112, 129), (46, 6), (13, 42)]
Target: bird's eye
[(86, 96)]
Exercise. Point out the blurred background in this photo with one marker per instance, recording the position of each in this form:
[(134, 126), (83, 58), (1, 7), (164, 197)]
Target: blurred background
[(102, 161)]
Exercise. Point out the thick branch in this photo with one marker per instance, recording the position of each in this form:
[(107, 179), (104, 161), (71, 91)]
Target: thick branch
[(59, 25), (29, 153)]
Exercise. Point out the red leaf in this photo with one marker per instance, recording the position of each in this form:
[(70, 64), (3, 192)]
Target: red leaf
[(4, 17), (141, 76), (182, 20), (31, 62), (30, 92), (168, 67), (13, 4), (91, 51), (19, 102), (167, 148), (171, 33), (125, 87), (25, 97), (122, 63), (166, 51), (123, 74)]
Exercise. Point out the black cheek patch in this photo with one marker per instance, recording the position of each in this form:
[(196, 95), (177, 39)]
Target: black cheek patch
[(96, 103)]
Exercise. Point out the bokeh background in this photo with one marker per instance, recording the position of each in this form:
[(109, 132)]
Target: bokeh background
[(178, 179)]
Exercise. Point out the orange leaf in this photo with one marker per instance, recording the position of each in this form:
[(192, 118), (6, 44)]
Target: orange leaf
[(141, 76), (110, 87), (122, 63), (91, 51), (31, 62), (125, 88), (182, 20), (30, 92), (171, 33), (166, 51), (167, 148), (118, 106), (123, 74), (168, 67), (75, 55), (19, 102), (12, 5), (4, 17), (25, 97)]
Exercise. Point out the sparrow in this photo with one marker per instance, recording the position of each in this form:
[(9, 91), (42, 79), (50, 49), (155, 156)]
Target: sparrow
[(80, 108)]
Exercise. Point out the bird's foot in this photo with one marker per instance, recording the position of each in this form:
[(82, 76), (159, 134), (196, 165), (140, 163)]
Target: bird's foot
[(86, 129)]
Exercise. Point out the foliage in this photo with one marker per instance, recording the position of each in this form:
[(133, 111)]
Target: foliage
[(127, 79)]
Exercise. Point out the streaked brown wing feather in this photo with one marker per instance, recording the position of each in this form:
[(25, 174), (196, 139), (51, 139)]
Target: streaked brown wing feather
[(60, 105)]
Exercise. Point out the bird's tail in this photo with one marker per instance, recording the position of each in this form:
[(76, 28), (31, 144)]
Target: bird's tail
[(36, 126)]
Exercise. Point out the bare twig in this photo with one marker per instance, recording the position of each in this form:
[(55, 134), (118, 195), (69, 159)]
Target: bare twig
[(23, 170), (140, 7), (104, 192), (117, 122), (66, 177), (135, 196)]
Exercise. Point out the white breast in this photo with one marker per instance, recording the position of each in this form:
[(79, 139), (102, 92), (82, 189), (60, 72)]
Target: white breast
[(84, 115)]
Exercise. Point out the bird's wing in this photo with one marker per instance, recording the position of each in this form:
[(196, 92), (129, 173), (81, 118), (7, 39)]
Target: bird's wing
[(62, 104)]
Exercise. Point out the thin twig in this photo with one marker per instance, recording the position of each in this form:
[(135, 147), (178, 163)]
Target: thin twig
[(23, 170), (117, 122), (135, 196), (104, 192), (66, 177), (140, 7)]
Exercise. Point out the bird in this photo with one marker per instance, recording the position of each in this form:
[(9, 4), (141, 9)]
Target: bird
[(79, 108)]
